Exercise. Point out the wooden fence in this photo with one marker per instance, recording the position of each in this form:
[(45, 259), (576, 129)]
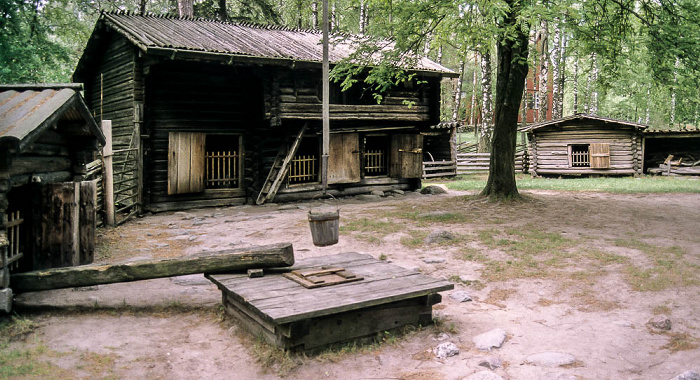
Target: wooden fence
[(470, 163), (439, 169)]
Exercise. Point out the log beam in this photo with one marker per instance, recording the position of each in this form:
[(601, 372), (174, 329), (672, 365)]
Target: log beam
[(267, 256)]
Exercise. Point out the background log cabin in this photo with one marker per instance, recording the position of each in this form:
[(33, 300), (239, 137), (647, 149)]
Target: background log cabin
[(47, 209), (207, 113), (585, 144)]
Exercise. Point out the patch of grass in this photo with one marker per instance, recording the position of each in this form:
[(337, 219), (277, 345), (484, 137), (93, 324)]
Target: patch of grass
[(26, 363), (443, 325), (680, 341), (498, 295), (661, 310), (274, 359), (476, 284), (588, 301), (15, 328), (415, 239), (623, 185), (668, 269), (467, 253), (532, 253), (98, 365)]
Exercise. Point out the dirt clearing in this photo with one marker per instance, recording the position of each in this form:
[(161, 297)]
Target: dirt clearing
[(580, 274)]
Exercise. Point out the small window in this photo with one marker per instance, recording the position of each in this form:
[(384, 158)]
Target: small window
[(223, 162), (579, 156), (305, 165), (375, 155)]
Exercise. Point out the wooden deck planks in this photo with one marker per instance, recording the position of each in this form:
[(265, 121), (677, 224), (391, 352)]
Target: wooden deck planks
[(281, 300)]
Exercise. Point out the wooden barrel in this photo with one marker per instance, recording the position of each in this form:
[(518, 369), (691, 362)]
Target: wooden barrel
[(324, 226)]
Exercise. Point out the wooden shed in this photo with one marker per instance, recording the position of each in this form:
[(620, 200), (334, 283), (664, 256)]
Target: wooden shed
[(207, 113), (47, 209), (585, 145)]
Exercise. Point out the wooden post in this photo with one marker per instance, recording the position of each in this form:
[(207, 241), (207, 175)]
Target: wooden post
[(326, 100), (108, 174)]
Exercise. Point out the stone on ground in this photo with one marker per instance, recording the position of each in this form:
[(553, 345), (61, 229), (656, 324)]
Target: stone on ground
[(687, 375), (434, 189), (460, 296), (445, 350), (490, 339)]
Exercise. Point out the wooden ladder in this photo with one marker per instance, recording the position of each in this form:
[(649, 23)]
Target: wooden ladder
[(279, 168)]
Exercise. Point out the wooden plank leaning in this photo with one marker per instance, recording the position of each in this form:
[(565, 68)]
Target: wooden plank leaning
[(266, 256)]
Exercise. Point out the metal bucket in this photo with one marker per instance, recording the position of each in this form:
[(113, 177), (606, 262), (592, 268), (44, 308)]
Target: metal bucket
[(324, 225)]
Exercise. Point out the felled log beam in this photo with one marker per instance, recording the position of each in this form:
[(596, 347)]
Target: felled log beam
[(268, 256)]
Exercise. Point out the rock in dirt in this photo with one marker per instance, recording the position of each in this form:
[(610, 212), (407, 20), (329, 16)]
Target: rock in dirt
[(550, 359), (434, 260), (439, 237), (460, 296), (288, 207), (397, 192), (434, 189), (490, 339), (661, 322), (687, 375), (483, 375), (368, 197), (445, 350), (491, 362), (378, 193)]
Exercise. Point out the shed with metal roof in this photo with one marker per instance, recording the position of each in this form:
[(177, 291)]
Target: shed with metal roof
[(47, 209)]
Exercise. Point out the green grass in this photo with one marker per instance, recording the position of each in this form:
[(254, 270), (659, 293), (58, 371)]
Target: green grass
[(624, 185)]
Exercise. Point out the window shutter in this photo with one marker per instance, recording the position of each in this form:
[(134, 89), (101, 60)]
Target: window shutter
[(600, 156), (406, 156), (185, 162), (344, 158)]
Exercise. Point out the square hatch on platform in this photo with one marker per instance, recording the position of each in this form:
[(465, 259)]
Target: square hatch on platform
[(349, 296)]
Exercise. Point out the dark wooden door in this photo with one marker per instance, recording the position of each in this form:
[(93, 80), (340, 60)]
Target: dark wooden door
[(406, 156)]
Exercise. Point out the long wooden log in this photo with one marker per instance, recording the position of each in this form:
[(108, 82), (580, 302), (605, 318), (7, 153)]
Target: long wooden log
[(267, 256)]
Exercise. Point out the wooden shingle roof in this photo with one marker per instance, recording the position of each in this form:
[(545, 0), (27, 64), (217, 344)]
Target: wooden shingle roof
[(578, 118), (28, 110), (180, 37)]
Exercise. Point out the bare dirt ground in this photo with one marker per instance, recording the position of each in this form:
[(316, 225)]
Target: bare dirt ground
[(574, 273)]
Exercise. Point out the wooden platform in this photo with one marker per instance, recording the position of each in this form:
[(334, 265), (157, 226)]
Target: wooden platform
[(294, 317)]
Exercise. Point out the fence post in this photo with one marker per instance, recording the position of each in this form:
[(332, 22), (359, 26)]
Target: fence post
[(108, 174)]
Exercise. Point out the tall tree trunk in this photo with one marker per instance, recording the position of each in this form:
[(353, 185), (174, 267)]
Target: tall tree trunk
[(334, 17), (544, 73), (486, 129), (314, 14), (593, 81), (556, 68), (472, 106), (223, 13), (512, 50), (142, 7), (363, 15), (562, 73), (185, 8), (523, 105), (673, 90), (439, 55), (648, 110), (299, 14), (458, 92), (575, 89)]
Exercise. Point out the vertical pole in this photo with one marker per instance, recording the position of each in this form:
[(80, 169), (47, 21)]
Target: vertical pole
[(326, 101), (108, 185)]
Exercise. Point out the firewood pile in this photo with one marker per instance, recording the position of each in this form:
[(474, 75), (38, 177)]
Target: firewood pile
[(678, 164)]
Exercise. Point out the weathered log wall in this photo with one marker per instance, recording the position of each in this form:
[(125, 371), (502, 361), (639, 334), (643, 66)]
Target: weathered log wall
[(549, 150), (209, 99)]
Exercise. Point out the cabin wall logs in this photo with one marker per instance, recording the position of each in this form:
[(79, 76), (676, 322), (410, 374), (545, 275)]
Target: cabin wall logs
[(549, 150)]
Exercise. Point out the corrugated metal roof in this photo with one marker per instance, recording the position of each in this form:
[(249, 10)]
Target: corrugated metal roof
[(581, 117), (153, 33), (26, 110)]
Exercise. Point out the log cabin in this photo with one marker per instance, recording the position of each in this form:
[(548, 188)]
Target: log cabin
[(208, 113), (47, 208), (585, 145)]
